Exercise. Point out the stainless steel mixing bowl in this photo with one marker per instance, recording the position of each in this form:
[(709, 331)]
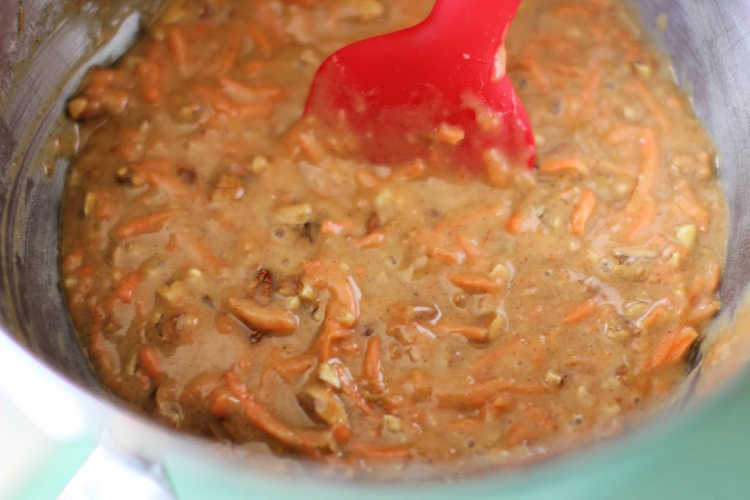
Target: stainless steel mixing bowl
[(46, 45)]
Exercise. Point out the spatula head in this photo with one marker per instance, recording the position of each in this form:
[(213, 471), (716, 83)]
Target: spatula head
[(437, 90)]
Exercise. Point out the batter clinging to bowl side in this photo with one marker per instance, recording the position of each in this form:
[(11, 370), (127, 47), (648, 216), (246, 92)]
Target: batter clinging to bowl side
[(241, 275)]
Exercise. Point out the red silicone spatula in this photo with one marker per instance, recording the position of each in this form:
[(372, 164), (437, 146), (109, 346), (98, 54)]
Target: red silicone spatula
[(396, 92)]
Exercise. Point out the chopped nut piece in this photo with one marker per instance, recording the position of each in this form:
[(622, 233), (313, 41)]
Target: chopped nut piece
[(630, 113), (309, 56), (263, 286), (89, 202), (450, 134), (384, 202), (189, 113), (347, 319), (618, 334), (500, 271), (328, 374), (687, 235), (295, 215), (612, 409), (307, 292), (629, 272), (642, 69), (373, 222), (635, 310), (498, 326), (553, 378), (318, 314), (635, 253), (675, 260), (498, 170), (321, 404), (122, 174), (187, 175), (293, 303), (362, 10), (583, 393), (393, 423), (259, 164), (77, 107), (174, 292), (228, 188)]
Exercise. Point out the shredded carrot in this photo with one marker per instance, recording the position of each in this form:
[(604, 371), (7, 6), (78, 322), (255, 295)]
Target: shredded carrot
[(215, 98), (150, 360), (342, 433), (471, 333), (706, 282), (261, 40), (221, 402), (688, 204), (563, 165), (371, 240), (350, 388), (640, 221), (480, 394), (144, 224), (535, 423), (310, 145), (580, 311), (641, 207), (656, 314), (492, 358), (177, 46), (649, 101), (513, 226), (532, 68), (255, 66), (166, 182), (127, 286), (412, 170), (469, 246), (447, 256), (259, 416), (583, 212), (703, 311), (476, 284), (372, 366), (272, 319), (149, 78), (591, 90), (241, 93), (345, 292), (256, 110), (376, 452), (292, 368), (331, 333), (198, 251), (673, 347), (230, 55)]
